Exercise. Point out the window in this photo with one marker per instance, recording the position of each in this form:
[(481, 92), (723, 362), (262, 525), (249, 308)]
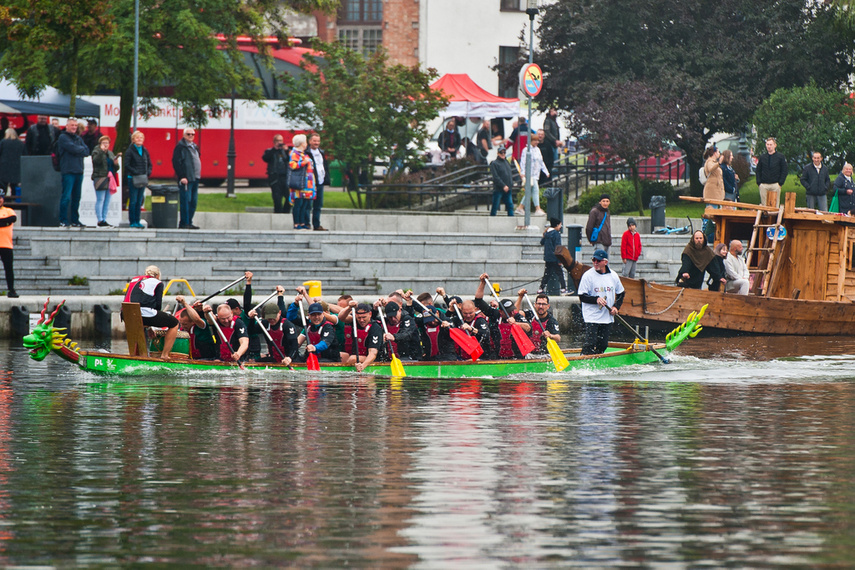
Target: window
[(508, 55), (365, 40), (361, 11), (511, 5)]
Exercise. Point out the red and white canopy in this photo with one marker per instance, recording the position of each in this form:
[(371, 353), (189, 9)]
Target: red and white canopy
[(467, 99)]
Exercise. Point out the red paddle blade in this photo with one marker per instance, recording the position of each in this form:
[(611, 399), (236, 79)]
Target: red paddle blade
[(466, 343), (523, 342), (312, 362)]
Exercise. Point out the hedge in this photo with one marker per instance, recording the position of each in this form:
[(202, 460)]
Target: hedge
[(622, 195)]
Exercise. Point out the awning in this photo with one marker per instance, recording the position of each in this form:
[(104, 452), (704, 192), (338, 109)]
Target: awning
[(467, 99), (50, 102)]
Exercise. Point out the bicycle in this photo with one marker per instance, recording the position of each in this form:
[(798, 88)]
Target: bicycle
[(668, 230)]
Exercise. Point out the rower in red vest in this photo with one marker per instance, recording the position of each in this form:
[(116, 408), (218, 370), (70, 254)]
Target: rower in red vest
[(369, 337), (543, 324), (474, 324), (235, 332), (321, 335), (436, 340), (403, 332), (283, 332), (501, 320), (147, 290), (192, 323)]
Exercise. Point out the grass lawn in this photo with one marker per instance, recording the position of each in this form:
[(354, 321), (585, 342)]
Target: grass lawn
[(219, 203), (749, 193)]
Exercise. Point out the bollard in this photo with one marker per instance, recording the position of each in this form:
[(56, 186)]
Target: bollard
[(19, 321), (62, 320), (103, 320)]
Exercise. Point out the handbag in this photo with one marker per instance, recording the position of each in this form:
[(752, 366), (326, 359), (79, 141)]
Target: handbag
[(102, 184), (139, 180), (297, 179), (112, 183)]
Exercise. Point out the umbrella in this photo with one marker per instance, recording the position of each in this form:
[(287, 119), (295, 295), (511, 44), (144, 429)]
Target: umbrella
[(50, 102)]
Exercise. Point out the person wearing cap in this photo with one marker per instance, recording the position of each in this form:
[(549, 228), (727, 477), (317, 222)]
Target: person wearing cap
[(599, 227), (321, 335), (630, 249), (543, 324), (474, 324), (500, 324), (283, 331), (252, 329), (550, 240), (601, 293), (503, 183), (369, 337), (403, 333), (92, 134), (7, 221)]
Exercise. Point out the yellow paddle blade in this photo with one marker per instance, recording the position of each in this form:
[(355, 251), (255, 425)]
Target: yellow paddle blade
[(558, 358), (398, 367)]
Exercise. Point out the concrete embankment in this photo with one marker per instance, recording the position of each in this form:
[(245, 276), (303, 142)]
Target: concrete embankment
[(365, 254)]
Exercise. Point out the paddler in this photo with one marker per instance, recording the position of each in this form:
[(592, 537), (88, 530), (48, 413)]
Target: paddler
[(501, 320), (543, 324), (369, 337), (235, 333), (321, 335)]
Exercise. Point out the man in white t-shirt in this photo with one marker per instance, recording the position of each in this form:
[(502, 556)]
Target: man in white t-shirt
[(601, 293)]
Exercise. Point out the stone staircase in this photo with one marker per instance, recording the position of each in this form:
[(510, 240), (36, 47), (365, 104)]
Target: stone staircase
[(62, 262)]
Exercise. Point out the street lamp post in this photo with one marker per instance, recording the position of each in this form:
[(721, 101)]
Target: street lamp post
[(531, 10), (230, 154), (136, 58)]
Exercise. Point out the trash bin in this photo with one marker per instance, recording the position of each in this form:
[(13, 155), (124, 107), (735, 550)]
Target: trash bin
[(336, 174), (554, 203), (164, 206), (657, 212)]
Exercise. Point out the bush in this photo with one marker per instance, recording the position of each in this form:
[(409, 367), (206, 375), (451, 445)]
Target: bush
[(622, 195), (742, 168)]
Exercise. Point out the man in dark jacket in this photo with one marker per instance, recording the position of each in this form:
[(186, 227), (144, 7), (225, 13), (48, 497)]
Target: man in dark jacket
[(92, 134), (816, 180), (187, 164), (321, 169), (503, 183), (40, 137), (599, 227), (276, 158), (771, 172), (71, 150)]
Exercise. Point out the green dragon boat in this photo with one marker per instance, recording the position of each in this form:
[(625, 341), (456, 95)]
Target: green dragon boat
[(46, 339)]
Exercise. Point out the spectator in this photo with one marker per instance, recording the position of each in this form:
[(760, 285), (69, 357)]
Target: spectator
[(449, 140), (276, 158), (729, 177), (537, 167), (717, 268), (550, 240), (630, 249), (302, 182), (503, 183), (321, 167), (137, 165), (552, 135), (697, 257), (771, 172), (519, 138), (714, 186), (736, 271), (816, 180), (601, 294), (103, 167), (92, 134), (55, 123), (187, 164), (11, 150), (599, 227), (71, 150), (41, 137), (547, 155), (483, 142), (7, 220), (844, 189)]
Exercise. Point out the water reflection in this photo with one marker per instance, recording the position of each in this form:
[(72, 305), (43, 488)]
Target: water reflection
[(720, 459)]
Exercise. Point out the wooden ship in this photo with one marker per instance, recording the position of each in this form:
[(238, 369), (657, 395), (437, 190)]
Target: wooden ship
[(803, 276)]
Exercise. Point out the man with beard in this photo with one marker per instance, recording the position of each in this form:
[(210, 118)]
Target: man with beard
[(543, 324), (696, 258)]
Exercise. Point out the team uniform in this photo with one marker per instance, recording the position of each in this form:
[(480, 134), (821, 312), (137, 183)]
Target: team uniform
[(323, 338), (503, 346), (148, 292), (549, 324), (407, 343), (482, 335), (284, 334), (370, 336)]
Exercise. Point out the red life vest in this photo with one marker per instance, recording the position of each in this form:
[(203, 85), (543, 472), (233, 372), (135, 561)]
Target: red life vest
[(506, 343), (225, 352), (433, 336), (132, 285), (392, 330), (314, 335), (537, 333), (361, 336)]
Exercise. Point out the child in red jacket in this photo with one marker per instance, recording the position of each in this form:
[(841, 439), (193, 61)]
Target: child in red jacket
[(630, 249)]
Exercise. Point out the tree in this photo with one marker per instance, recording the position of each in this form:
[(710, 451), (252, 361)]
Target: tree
[(713, 61), (180, 56), (627, 120), (368, 108), (805, 119)]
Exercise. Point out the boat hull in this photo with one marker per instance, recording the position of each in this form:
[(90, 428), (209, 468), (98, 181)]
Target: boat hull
[(618, 355), (745, 313)]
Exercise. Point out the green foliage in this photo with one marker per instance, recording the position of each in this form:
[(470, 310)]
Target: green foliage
[(623, 197), (77, 280), (369, 108), (804, 119), (742, 168), (116, 292)]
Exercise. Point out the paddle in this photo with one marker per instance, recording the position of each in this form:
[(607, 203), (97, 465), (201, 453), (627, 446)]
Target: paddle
[(558, 358), (633, 331), (311, 358), (267, 334), (524, 343), (255, 308), (397, 365), (466, 343), (229, 286), (213, 320)]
